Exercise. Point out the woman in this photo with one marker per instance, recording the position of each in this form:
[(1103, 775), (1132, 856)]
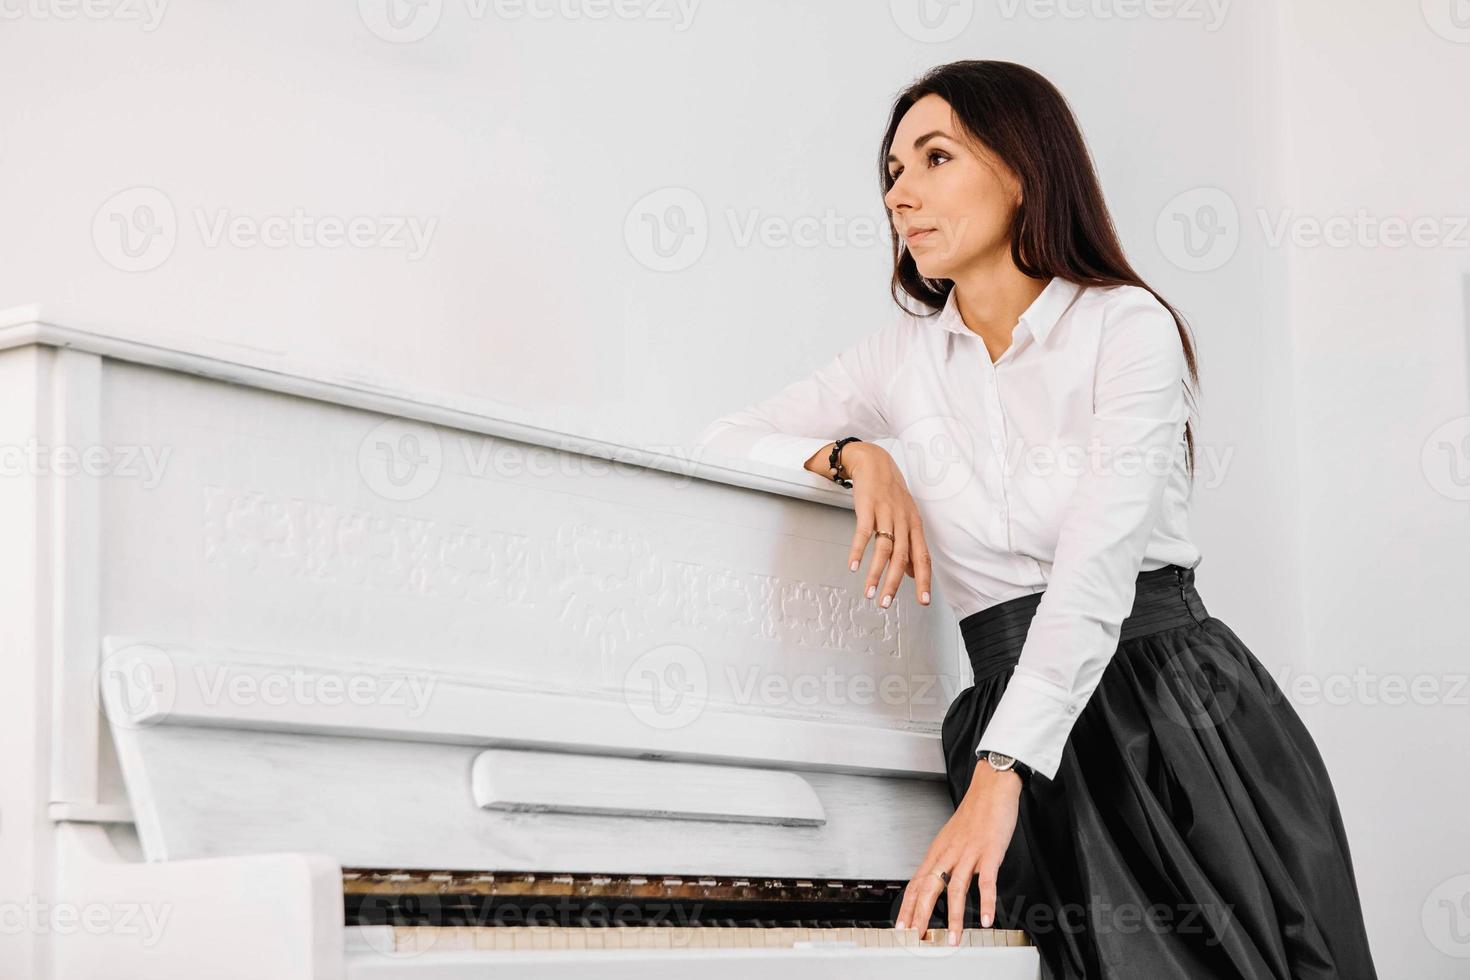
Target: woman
[(1130, 785)]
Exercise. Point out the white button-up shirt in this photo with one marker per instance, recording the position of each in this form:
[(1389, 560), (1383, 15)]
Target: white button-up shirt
[(1058, 467)]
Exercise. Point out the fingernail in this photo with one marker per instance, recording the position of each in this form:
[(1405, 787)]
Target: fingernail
[(925, 597), (954, 938), (899, 925), (852, 567), (985, 920), (886, 600), (871, 590)]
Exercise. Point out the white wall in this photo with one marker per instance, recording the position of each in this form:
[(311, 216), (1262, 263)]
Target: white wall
[(526, 147), (1372, 120), (523, 145)]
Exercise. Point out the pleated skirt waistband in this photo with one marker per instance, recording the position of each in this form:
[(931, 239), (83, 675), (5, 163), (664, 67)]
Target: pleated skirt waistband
[(1164, 598)]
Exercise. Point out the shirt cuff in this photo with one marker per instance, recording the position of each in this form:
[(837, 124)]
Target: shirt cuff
[(778, 452), (789, 453), (1031, 723)]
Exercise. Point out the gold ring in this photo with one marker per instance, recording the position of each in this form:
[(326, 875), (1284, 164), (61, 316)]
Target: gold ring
[(942, 874), (884, 534)]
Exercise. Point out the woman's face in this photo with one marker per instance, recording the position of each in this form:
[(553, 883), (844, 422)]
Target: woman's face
[(961, 191)]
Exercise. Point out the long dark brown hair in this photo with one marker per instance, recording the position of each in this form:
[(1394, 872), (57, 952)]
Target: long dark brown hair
[(1062, 227)]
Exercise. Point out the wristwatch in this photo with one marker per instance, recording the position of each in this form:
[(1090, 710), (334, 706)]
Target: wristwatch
[(1000, 762)]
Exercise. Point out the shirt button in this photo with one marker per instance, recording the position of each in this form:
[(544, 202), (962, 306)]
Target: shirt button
[(1071, 709)]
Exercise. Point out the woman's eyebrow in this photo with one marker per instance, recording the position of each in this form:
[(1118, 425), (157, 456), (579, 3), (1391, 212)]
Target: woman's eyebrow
[(920, 142)]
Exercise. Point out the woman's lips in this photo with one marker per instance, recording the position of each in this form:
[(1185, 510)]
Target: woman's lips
[(918, 236)]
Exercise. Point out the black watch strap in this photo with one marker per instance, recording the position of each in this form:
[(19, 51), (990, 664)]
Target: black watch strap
[(1017, 766)]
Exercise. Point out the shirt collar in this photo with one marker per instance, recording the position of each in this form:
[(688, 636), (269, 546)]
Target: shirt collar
[(1039, 318)]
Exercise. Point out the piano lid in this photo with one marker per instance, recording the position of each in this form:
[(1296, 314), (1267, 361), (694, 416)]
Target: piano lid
[(271, 370)]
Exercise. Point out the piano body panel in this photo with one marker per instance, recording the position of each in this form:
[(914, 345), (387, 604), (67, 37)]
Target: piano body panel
[(256, 521), (394, 804), (26, 849), (716, 964), (276, 527), (241, 918), (163, 682)]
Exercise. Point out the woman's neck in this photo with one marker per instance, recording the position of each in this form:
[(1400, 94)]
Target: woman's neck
[(991, 304)]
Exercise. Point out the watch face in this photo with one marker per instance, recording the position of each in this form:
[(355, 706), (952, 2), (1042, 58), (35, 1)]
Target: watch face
[(1001, 761)]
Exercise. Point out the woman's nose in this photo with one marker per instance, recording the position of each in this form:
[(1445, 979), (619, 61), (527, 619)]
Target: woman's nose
[(898, 196)]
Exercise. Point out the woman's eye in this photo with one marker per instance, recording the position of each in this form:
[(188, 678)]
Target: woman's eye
[(929, 156)]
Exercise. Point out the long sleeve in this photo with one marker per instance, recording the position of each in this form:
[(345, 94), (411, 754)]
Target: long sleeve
[(1139, 414), (845, 397)]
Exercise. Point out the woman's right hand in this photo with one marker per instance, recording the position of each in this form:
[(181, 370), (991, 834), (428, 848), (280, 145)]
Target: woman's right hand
[(882, 502)]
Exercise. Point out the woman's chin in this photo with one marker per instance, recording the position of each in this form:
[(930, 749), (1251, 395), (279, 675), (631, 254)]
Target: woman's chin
[(933, 270)]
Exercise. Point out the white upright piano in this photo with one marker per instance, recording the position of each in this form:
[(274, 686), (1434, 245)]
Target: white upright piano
[(306, 677)]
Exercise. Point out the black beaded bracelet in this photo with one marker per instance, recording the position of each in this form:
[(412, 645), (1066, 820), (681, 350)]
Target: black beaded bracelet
[(834, 461)]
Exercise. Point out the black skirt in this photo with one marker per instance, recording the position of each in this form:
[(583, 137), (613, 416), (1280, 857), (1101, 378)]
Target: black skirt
[(1191, 831)]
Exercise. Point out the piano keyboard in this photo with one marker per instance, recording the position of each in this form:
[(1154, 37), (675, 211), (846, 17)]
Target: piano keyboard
[(411, 912), (444, 939), (740, 908)]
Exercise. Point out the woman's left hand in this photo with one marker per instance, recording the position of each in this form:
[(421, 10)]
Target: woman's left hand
[(972, 843)]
